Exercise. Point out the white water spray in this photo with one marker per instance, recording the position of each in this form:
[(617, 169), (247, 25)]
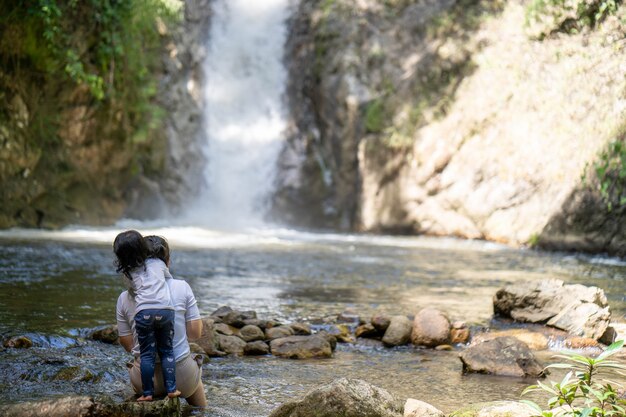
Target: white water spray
[(244, 116)]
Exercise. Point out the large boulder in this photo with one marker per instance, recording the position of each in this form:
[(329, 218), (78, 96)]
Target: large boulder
[(416, 408), (225, 329), (459, 333), (256, 348), (583, 319), (366, 330), (577, 309), (80, 406), (221, 312), (534, 340), (250, 333), (278, 332), (345, 398), (431, 328), (232, 345), (301, 347), (615, 331), (504, 356), (108, 334), (208, 340), (301, 329), (238, 318), (341, 332), (380, 321), (496, 409), (399, 331), (329, 338), (17, 342)]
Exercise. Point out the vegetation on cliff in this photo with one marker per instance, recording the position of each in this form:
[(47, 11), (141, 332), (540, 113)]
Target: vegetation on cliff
[(78, 111), (463, 117)]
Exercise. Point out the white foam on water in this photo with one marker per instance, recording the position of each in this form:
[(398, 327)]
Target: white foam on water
[(181, 236)]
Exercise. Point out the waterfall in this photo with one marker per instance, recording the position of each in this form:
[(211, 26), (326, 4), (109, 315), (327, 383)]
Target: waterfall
[(244, 114)]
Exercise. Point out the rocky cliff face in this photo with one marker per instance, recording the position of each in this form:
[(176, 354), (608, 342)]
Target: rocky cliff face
[(451, 118), (165, 193), (68, 158)]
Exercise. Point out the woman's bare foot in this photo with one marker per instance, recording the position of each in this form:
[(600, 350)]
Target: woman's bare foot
[(173, 394), (144, 398)]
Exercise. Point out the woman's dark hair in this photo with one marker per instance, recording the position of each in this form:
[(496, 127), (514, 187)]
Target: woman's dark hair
[(131, 251), (158, 248)]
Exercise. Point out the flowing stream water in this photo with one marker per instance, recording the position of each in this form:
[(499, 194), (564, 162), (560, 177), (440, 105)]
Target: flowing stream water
[(56, 285)]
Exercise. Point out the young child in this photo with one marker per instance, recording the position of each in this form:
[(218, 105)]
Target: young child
[(154, 319)]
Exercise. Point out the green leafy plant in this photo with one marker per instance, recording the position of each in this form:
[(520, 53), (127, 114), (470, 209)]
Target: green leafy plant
[(375, 116), (582, 12), (585, 390), (111, 47), (533, 240), (610, 168)]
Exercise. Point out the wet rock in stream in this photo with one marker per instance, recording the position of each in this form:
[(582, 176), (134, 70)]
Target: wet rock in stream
[(367, 331), (380, 322), (399, 331), (577, 309), (496, 409), (83, 406), (256, 348), (232, 345), (300, 329), (416, 408), (18, 342), (250, 333), (534, 340), (108, 334), (343, 397), (505, 356), (431, 328), (301, 347), (208, 339), (459, 333), (278, 332), (76, 373)]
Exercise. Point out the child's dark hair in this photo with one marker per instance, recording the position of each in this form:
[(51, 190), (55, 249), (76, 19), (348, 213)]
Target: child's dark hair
[(131, 251), (158, 248)]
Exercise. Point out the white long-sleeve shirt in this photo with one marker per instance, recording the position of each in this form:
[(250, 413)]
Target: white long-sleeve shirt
[(150, 287)]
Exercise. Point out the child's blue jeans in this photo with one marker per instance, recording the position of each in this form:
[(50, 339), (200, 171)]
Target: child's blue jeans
[(155, 333)]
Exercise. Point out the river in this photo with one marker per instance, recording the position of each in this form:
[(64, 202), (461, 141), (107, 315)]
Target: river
[(54, 286)]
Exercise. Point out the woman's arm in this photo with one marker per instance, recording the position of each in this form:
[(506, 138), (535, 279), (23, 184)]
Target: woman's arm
[(124, 326), (127, 342), (194, 330)]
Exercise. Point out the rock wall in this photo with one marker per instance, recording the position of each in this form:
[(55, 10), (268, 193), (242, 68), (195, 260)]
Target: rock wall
[(66, 158), (451, 118), (165, 193)]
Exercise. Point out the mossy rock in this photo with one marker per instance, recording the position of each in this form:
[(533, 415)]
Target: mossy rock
[(75, 373), (495, 409), (18, 342), (168, 407), (95, 407)]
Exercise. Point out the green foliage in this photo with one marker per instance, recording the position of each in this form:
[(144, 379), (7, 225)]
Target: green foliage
[(585, 390), (375, 117), (610, 170), (572, 15), (533, 240), (612, 160), (111, 47)]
